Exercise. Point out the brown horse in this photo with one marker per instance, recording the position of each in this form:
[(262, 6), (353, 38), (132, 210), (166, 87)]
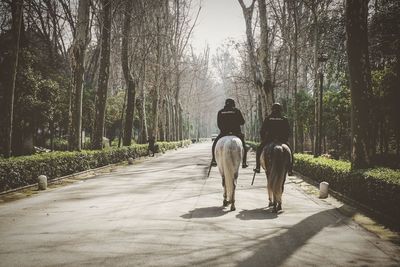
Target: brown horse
[(275, 160)]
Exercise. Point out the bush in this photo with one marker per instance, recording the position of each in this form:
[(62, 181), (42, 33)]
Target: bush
[(21, 171), (60, 144), (377, 188)]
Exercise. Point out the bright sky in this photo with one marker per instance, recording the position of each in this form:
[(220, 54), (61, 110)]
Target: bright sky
[(218, 21)]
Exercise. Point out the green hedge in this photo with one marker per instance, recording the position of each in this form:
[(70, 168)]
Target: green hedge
[(377, 188), (253, 145), (21, 171)]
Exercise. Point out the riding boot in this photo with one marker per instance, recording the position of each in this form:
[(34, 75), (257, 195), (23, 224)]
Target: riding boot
[(290, 167), (244, 163), (258, 155), (213, 161), (244, 160)]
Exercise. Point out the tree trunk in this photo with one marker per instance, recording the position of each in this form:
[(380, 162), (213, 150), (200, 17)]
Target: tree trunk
[(121, 121), (162, 122), (167, 120), (157, 82), (78, 69), (141, 103), (173, 121), (176, 104), (129, 80), (254, 68), (16, 28), (360, 80), (295, 74), (101, 96), (180, 125), (315, 76), (266, 77)]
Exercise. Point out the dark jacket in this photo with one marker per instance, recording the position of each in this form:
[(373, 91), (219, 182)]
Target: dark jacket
[(229, 120), (275, 127)]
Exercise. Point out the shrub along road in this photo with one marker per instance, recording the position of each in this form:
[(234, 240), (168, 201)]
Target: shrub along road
[(163, 212)]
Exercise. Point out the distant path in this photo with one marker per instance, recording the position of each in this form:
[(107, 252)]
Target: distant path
[(163, 212)]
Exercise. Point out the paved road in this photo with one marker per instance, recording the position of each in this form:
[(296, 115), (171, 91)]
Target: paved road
[(163, 212)]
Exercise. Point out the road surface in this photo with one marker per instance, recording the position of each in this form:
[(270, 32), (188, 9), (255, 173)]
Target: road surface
[(164, 212)]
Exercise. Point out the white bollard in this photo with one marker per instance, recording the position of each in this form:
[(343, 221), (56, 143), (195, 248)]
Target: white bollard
[(42, 182), (130, 161), (323, 189)]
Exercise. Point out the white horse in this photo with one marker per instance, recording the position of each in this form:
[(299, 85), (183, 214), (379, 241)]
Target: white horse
[(275, 160), (228, 154)]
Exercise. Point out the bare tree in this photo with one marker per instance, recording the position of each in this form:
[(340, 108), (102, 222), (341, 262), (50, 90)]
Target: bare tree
[(101, 95), (78, 68), (266, 78), (129, 79)]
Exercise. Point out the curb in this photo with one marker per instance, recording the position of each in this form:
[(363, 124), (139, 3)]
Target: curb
[(52, 181), (364, 210)]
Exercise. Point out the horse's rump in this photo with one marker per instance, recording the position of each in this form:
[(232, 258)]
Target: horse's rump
[(275, 160), (276, 156), (228, 154)]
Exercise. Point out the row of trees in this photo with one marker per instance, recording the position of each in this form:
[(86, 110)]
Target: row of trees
[(334, 66), (125, 70), (121, 69)]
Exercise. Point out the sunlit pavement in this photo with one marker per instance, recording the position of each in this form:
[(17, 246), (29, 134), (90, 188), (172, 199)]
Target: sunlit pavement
[(164, 212)]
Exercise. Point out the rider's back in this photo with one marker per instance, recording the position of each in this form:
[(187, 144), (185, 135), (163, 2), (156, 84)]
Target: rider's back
[(229, 120), (276, 128)]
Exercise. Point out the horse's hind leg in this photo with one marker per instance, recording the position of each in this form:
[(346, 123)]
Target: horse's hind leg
[(278, 194), (225, 202), (270, 194), (233, 199)]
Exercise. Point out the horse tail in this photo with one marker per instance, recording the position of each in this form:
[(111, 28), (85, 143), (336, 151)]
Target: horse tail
[(278, 170), (230, 163)]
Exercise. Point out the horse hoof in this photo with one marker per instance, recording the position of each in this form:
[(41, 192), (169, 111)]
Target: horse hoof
[(233, 208), (225, 203), (270, 204), (274, 210), (279, 207)]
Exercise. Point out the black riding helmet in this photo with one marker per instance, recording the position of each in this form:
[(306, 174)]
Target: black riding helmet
[(229, 102), (276, 108)]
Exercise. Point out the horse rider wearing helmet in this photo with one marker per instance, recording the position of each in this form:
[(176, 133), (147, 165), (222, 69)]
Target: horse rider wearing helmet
[(275, 128), (229, 120)]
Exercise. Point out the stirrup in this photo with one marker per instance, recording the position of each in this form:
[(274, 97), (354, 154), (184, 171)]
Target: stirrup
[(213, 163)]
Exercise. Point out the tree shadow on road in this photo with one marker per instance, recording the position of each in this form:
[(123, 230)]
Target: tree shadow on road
[(256, 214), (208, 212), (279, 248)]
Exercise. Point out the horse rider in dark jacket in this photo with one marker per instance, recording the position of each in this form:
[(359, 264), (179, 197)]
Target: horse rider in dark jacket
[(275, 128), (229, 121)]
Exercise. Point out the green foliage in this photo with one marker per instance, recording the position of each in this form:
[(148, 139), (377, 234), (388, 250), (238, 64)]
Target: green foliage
[(21, 171), (336, 118), (377, 188), (305, 110), (252, 145), (114, 108), (389, 175), (60, 144)]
